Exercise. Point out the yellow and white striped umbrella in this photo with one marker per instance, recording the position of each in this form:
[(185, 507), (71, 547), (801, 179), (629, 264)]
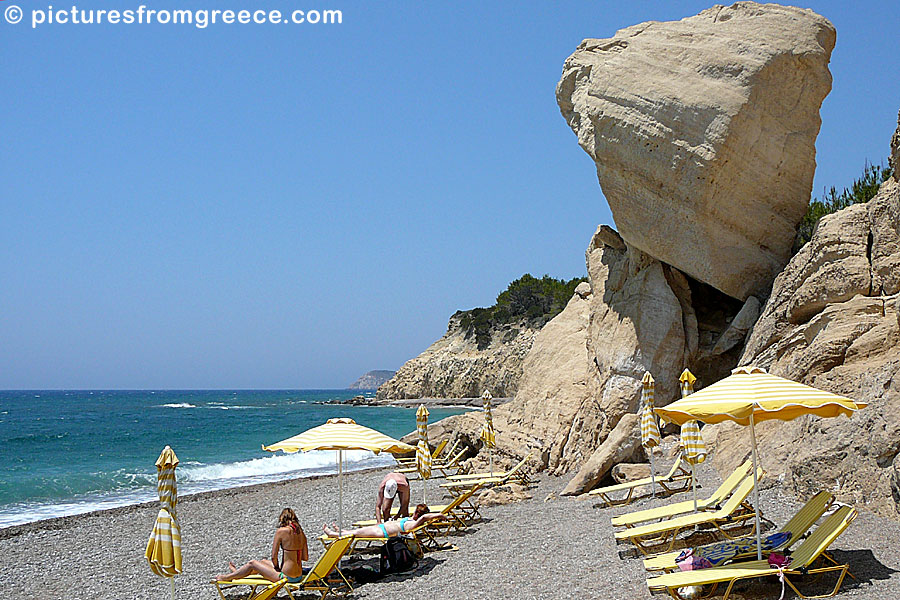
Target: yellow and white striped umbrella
[(750, 390), (691, 440), (341, 434), (423, 452), (488, 436), (650, 437), (164, 546)]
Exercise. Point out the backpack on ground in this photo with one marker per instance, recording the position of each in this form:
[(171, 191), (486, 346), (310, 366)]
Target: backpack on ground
[(396, 557)]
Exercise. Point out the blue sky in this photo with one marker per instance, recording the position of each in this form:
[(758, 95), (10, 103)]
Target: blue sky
[(290, 206)]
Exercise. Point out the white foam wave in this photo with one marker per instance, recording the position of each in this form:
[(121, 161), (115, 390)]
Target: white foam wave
[(277, 464), (177, 405), (219, 407)]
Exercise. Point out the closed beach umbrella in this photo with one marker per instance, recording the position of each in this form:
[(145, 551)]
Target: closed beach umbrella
[(340, 435), (691, 440), (423, 452), (488, 436), (164, 546), (750, 395), (650, 437)]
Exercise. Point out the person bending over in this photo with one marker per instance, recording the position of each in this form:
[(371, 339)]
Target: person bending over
[(393, 485), (288, 538), (388, 529)]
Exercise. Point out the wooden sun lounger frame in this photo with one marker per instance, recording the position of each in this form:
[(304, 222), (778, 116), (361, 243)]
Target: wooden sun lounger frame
[(317, 579), (678, 479), (805, 556)]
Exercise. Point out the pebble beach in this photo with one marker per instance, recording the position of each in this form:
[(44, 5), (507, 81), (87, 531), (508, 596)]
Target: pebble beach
[(545, 547)]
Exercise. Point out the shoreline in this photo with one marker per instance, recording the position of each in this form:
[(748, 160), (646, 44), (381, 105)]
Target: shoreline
[(62, 522)]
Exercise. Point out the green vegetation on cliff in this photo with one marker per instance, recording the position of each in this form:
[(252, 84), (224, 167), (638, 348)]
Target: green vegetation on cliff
[(861, 190), (527, 300)]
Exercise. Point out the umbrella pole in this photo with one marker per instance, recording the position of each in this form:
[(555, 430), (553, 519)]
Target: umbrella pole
[(491, 459), (340, 459), (694, 485), (756, 488), (652, 474), (172, 582)]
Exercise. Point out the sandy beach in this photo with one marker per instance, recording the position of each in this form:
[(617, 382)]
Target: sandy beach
[(539, 548)]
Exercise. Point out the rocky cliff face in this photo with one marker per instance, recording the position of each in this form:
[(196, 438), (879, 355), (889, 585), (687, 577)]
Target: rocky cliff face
[(703, 132), (371, 380), (832, 322), (455, 367)]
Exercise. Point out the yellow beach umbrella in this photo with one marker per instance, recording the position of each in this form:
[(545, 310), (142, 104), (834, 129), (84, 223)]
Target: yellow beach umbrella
[(750, 395), (423, 452), (340, 435), (164, 546), (691, 441), (488, 435), (650, 437)]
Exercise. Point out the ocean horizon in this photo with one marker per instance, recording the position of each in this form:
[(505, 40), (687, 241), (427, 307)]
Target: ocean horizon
[(66, 452)]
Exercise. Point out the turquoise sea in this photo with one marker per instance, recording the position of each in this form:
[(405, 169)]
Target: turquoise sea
[(69, 452)]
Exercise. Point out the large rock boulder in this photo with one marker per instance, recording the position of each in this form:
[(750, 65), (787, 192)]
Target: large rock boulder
[(622, 445), (832, 322), (703, 133)]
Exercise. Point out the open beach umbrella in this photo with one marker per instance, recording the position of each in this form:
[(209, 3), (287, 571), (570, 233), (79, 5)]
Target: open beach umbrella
[(750, 395), (340, 435), (423, 452), (691, 441), (164, 546), (650, 437), (488, 436)]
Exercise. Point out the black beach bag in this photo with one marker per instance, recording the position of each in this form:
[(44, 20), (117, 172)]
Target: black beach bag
[(396, 557)]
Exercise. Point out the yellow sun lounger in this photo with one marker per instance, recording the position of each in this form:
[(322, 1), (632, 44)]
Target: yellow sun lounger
[(651, 538), (443, 468), (456, 515), (459, 487), (678, 479), (517, 472), (435, 456), (678, 508), (802, 563), (797, 527), (316, 580)]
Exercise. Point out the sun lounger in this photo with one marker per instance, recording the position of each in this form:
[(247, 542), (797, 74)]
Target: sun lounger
[(517, 472), (317, 579), (668, 511), (462, 506), (652, 537), (438, 467), (803, 558), (678, 479), (435, 456), (456, 488), (456, 515), (797, 527)]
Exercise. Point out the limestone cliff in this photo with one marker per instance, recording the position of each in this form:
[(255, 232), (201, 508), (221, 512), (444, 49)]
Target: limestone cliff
[(371, 380), (456, 367), (833, 322)]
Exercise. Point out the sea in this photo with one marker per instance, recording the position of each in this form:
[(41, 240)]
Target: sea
[(70, 452)]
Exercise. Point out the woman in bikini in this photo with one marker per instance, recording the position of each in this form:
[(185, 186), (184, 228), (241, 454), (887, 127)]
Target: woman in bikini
[(388, 529), (290, 538)]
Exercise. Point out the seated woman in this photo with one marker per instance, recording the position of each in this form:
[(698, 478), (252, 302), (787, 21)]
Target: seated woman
[(290, 538), (387, 529)]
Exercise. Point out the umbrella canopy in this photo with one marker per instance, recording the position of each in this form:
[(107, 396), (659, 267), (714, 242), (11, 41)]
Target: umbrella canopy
[(650, 437), (692, 443), (750, 390), (164, 546), (423, 452), (750, 395), (488, 436), (341, 434)]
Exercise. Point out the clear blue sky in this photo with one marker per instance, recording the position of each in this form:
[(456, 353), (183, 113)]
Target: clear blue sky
[(290, 206)]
